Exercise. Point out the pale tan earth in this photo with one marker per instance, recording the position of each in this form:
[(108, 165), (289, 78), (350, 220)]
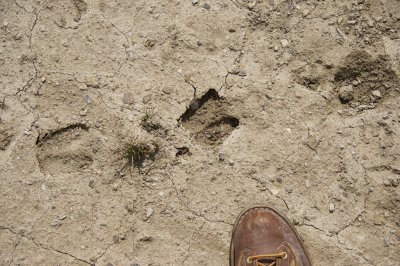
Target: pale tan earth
[(134, 132)]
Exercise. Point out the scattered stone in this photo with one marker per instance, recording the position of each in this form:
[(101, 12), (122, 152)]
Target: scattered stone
[(87, 99), (386, 242), (284, 43), (149, 213), (354, 82), (115, 239), (128, 98), (146, 99), (346, 94), (167, 89), (91, 183), (397, 233), (276, 48), (331, 207), (242, 73), (194, 2), (378, 220), (306, 12), (110, 264), (351, 22), (206, 6), (365, 157), (308, 185), (377, 94), (221, 156), (43, 79), (18, 36), (92, 82), (386, 182), (83, 112), (395, 182), (251, 4), (231, 162)]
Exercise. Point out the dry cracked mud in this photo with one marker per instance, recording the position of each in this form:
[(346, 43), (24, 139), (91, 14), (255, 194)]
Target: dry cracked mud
[(134, 132)]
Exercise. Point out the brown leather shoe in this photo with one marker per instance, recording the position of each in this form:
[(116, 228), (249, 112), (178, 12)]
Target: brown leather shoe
[(263, 237)]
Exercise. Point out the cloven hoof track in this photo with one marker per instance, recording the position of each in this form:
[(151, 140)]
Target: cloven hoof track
[(207, 119), (66, 150), (374, 74)]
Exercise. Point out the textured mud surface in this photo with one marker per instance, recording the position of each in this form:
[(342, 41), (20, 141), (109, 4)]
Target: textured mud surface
[(134, 132)]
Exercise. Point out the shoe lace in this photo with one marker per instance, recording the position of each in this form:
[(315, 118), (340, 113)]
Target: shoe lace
[(273, 257)]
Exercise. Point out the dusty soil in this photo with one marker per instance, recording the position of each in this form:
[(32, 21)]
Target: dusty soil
[(134, 132)]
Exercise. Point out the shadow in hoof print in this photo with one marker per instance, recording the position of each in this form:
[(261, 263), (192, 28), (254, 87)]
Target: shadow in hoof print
[(207, 119), (66, 150)]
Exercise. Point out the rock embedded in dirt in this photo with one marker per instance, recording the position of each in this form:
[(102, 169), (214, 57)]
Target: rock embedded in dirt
[(128, 98), (146, 99), (206, 6), (377, 94), (168, 89), (92, 82), (346, 94), (284, 43)]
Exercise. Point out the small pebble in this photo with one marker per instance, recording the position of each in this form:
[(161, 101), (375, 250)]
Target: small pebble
[(92, 82), (194, 2), (83, 112), (149, 213), (331, 207), (167, 89), (378, 220), (242, 73), (128, 98), (377, 94), (146, 99), (251, 4), (206, 6), (284, 43)]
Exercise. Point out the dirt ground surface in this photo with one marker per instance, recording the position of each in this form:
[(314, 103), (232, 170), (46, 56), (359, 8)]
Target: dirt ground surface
[(134, 132)]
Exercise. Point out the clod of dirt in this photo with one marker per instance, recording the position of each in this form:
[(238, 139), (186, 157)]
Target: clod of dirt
[(208, 119), (368, 76), (66, 150)]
